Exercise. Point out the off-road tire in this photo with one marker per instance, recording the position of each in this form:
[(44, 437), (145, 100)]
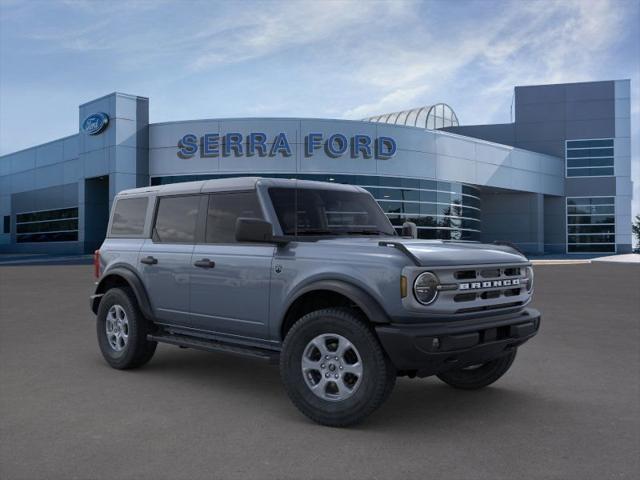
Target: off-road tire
[(480, 377), (378, 376), (138, 349)]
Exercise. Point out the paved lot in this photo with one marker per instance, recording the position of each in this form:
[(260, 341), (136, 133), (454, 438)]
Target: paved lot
[(568, 408)]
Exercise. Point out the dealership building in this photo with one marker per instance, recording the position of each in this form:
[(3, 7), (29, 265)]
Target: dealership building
[(555, 180)]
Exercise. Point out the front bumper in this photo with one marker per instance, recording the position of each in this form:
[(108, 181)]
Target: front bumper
[(427, 349)]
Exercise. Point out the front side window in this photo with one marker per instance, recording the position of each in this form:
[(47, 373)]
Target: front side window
[(224, 209), (589, 158), (176, 219), (128, 216), (328, 212), (591, 225)]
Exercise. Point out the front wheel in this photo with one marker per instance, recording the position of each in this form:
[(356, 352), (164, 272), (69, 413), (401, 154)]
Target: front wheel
[(334, 368), (478, 376)]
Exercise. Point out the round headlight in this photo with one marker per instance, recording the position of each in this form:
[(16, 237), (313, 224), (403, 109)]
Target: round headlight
[(425, 288), (529, 274)]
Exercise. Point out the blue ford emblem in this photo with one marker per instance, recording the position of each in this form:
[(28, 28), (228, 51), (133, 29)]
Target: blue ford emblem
[(95, 123)]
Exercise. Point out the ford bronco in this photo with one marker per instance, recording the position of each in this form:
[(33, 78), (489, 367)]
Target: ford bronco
[(311, 275)]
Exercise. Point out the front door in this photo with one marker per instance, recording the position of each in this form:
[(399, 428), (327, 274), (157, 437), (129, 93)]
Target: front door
[(165, 259), (230, 281)]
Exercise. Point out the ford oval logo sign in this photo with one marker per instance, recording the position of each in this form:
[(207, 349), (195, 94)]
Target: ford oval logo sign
[(95, 123)]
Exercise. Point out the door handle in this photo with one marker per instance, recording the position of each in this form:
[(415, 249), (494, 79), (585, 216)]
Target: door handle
[(205, 263), (149, 260)]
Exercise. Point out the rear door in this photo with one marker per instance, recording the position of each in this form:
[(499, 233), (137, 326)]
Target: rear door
[(230, 281), (165, 258)]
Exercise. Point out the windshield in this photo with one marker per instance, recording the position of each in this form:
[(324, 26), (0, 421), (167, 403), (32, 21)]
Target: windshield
[(328, 212)]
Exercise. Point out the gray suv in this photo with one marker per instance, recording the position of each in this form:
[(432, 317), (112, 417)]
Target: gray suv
[(311, 275)]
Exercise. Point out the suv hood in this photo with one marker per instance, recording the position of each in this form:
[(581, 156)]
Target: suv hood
[(442, 253)]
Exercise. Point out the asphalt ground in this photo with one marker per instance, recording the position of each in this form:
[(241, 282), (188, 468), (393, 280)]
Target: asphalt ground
[(568, 409)]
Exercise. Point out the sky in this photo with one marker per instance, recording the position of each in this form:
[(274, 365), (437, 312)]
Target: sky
[(329, 59)]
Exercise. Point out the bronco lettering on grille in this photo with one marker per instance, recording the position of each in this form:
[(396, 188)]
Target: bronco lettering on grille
[(489, 284)]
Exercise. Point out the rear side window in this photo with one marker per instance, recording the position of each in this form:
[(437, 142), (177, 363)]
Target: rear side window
[(224, 210), (129, 216), (176, 219)]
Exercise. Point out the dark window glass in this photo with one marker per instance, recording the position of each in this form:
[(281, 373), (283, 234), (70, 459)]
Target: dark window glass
[(129, 216), (591, 239), (591, 209), (590, 219), (591, 229), (444, 186), (587, 248), (7, 224), (390, 194), (428, 185), (590, 152), (410, 183), (470, 212), (590, 162), (471, 202), (47, 237), (428, 196), (47, 215), (589, 143), (428, 208), (176, 219), (390, 182), (590, 172), (367, 180), (591, 201), (324, 212), (52, 226), (466, 189), (224, 209)]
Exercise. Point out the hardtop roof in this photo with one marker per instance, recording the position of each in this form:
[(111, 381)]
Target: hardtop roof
[(234, 183)]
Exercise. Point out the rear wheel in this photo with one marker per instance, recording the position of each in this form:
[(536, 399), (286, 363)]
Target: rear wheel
[(122, 330), (478, 376), (334, 368)]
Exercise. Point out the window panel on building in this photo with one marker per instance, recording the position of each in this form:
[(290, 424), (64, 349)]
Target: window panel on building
[(58, 225), (591, 225), (589, 158)]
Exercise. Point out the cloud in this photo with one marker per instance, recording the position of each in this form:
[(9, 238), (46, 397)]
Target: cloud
[(524, 44)]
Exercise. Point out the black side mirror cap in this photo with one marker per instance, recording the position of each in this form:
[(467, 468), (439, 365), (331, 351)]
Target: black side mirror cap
[(256, 230)]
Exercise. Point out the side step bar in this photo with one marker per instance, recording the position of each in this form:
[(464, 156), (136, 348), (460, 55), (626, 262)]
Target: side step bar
[(215, 346)]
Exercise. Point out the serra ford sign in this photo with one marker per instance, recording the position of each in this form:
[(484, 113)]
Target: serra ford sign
[(258, 144)]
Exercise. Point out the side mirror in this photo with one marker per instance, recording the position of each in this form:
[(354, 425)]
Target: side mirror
[(409, 229)]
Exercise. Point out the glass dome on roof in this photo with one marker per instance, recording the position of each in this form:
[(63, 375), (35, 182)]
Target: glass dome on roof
[(431, 117)]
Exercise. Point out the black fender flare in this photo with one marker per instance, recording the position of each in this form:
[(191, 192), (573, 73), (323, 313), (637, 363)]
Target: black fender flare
[(363, 300), (133, 281)]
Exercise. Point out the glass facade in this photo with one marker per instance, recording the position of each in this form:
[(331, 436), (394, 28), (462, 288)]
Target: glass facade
[(59, 225), (589, 158), (441, 210), (430, 117), (591, 225)]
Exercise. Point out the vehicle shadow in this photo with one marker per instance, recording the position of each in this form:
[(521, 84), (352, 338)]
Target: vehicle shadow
[(414, 405)]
